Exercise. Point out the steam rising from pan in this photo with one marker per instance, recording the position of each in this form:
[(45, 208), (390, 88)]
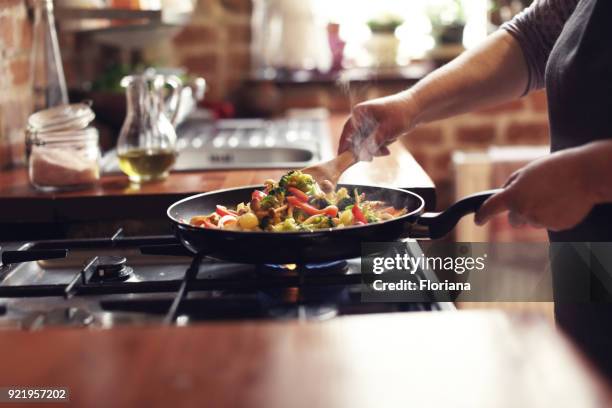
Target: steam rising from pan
[(363, 124)]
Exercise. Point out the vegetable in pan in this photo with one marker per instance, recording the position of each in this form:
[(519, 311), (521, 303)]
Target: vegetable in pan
[(297, 203)]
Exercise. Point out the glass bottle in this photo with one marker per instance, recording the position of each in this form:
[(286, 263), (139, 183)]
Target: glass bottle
[(48, 81), (147, 142)]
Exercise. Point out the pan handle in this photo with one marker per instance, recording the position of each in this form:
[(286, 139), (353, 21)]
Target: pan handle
[(437, 225)]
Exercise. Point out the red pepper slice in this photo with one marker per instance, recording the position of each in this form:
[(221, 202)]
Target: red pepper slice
[(331, 210), (358, 214), (299, 194), (223, 211), (202, 222), (258, 195), (209, 224), (307, 208)]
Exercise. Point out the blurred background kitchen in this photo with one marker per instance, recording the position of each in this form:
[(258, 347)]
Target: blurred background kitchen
[(259, 59), (262, 58)]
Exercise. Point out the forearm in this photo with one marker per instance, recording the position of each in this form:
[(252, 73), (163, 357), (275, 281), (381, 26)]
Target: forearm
[(595, 159), (492, 73)]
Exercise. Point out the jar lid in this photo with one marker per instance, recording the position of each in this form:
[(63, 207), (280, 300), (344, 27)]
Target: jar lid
[(61, 118), (88, 134)]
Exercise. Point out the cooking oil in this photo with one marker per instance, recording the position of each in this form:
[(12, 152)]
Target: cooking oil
[(143, 165)]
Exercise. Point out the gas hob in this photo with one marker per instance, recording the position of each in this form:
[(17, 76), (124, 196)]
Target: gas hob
[(102, 283)]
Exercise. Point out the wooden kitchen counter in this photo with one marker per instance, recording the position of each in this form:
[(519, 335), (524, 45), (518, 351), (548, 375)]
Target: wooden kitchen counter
[(113, 197), (446, 359)]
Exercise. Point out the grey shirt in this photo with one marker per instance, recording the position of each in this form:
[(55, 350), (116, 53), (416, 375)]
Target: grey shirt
[(536, 29)]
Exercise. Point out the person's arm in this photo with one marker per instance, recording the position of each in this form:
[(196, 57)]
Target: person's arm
[(558, 191), (491, 73), (507, 65), (511, 63)]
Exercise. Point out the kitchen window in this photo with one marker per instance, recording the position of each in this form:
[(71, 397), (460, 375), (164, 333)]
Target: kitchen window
[(419, 19)]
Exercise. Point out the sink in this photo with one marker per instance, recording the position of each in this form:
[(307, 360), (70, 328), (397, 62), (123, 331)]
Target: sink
[(246, 143), (245, 157)]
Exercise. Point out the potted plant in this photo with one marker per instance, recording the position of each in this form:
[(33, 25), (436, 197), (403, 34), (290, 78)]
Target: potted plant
[(447, 19), (383, 44)]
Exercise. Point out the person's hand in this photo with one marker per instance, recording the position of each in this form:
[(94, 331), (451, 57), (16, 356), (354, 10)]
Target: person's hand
[(551, 193), (375, 124)]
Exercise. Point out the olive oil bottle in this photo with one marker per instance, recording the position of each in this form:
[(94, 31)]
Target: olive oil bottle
[(142, 165)]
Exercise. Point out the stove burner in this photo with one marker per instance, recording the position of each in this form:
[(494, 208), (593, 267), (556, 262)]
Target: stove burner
[(331, 268), (112, 268)]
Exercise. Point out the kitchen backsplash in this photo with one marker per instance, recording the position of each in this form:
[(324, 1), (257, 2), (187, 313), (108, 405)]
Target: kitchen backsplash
[(215, 45), (521, 122), (15, 95)]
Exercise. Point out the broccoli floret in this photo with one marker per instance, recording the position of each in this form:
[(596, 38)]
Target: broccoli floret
[(284, 181), (296, 179), (277, 191), (304, 182), (322, 221), (371, 218), (273, 199), (288, 225), (268, 202)]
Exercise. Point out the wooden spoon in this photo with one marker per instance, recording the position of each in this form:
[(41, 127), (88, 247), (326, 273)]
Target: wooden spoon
[(332, 170)]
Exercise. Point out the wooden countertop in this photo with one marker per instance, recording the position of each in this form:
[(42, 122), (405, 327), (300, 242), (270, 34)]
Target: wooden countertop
[(446, 359), (114, 196)]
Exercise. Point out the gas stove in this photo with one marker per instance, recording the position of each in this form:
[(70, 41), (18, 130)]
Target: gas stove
[(107, 282)]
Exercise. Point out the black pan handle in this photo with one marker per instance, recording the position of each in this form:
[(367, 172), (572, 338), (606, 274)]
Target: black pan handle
[(439, 224)]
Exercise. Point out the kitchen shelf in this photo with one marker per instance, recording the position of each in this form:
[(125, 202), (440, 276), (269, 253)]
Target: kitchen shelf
[(70, 13), (410, 73), (124, 28), (113, 19)]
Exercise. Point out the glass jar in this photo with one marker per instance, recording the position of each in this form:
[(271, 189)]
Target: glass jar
[(62, 119), (65, 160)]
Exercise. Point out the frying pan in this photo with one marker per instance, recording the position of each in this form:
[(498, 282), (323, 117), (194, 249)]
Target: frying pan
[(317, 246)]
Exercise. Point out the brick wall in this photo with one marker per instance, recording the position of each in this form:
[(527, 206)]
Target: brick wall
[(15, 96), (522, 122), (215, 45)]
